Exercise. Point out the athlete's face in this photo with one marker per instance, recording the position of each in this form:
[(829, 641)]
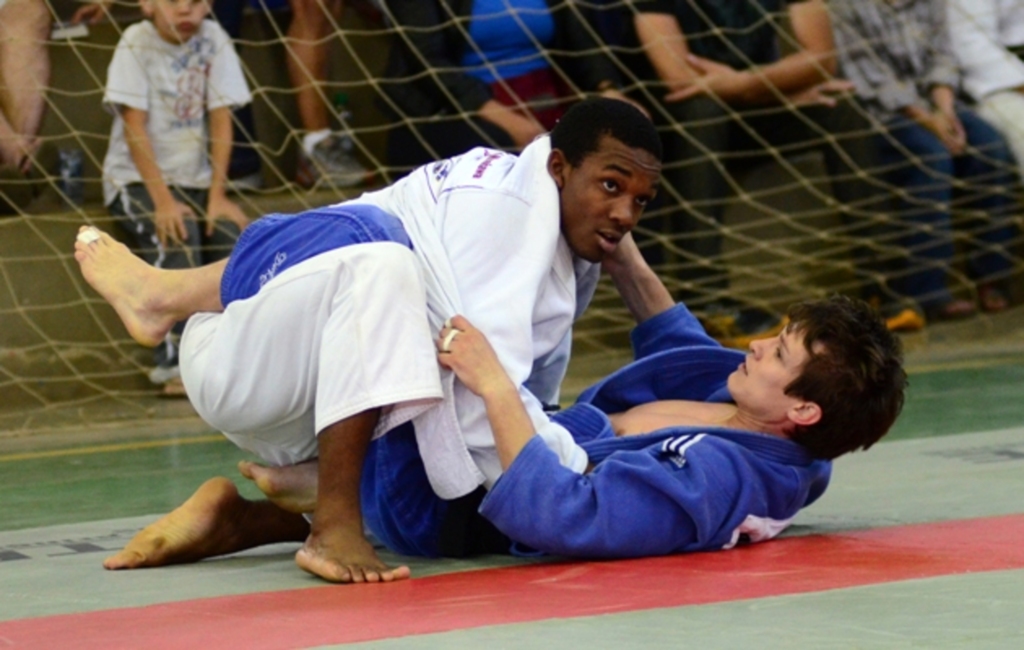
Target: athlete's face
[(176, 21), (758, 386), (603, 197)]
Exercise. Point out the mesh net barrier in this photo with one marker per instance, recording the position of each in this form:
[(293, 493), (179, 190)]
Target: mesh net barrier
[(737, 228)]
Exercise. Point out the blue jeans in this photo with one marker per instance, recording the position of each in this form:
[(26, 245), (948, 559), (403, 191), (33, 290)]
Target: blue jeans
[(979, 182)]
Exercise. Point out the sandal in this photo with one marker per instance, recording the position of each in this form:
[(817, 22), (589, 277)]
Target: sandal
[(173, 389), (955, 309), (993, 299)]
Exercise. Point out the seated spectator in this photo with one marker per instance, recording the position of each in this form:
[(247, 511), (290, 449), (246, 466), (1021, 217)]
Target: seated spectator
[(467, 73), (715, 70), (937, 150), (988, 41), (170, 76), (24, 73)]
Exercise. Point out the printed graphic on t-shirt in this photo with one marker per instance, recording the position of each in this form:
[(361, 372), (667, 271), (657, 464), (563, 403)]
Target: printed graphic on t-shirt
[(192, 68)]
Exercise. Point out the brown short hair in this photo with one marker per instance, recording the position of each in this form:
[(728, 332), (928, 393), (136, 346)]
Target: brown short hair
[(856, 375)]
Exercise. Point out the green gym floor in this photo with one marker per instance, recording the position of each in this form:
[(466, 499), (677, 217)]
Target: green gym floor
[(916, 544)]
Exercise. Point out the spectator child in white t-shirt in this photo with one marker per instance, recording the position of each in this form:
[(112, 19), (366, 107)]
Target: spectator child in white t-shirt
[(171, 85)]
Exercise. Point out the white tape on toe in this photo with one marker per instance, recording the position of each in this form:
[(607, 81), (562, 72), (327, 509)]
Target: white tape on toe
[(89, 235)]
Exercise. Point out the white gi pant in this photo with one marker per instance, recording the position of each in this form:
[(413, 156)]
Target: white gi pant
[(333, 336)]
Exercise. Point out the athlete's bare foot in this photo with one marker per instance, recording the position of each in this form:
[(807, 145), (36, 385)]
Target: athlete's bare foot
[(292, 488), (214, 521), (131, 286), (343, 555)]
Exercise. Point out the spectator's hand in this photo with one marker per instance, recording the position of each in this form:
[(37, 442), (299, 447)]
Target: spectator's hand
[(220, 206), (615, 93), (943, 120), (18, 151), (947, 129), (92, 13), (470, 356), (956, 129), (825, 93), (713, 78), (170, 222)]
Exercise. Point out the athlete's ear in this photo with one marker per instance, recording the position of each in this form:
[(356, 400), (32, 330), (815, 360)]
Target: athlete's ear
[(804, 414), (557, 167)]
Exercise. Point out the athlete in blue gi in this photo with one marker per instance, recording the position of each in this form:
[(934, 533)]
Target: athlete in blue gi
[(691, 447)]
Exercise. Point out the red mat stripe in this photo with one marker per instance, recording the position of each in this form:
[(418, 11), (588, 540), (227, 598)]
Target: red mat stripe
[(333, 615)]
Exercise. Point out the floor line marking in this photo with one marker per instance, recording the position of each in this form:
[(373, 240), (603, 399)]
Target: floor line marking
[(102, 449), (343, 614)]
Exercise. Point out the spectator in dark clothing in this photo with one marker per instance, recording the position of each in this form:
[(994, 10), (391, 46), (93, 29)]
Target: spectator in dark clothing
[(466, 73)]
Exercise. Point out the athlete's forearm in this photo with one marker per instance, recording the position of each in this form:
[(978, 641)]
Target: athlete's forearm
[(509, 421), (641, 289)]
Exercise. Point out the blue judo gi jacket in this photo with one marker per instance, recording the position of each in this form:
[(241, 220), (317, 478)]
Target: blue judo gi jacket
[(675, 490)]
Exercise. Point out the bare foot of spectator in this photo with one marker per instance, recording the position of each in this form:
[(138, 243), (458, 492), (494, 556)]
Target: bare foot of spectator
[(291, 488), (136, 290), (214, 521)]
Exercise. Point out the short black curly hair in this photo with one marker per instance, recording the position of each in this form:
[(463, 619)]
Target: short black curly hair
[(856, 375), (578, 133)]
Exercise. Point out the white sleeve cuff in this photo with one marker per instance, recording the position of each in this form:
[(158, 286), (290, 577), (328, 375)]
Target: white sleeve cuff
[(559, 440)]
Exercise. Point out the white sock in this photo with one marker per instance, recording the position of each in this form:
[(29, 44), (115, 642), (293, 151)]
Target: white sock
[(314, 138)]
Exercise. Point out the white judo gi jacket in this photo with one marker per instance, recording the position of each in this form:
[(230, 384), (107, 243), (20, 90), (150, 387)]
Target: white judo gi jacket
[(486, 228)]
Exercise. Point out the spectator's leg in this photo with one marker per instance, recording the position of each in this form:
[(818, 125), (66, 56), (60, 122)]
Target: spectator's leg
[(323, 157), (988, 170), (922, 172), (848, 140), (24, 75), (245, 161), (312, 22), (696, 185)]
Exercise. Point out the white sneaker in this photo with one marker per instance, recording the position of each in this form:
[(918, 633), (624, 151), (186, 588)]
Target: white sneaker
[(163, 374), (244, 184), (331, 162)]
